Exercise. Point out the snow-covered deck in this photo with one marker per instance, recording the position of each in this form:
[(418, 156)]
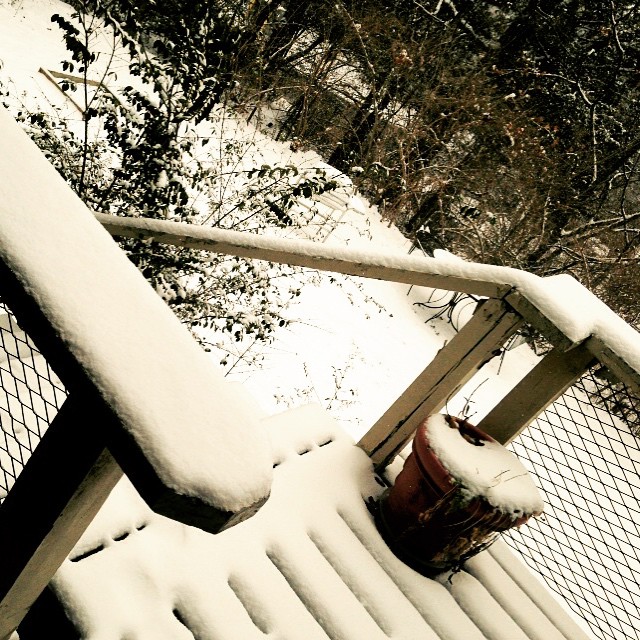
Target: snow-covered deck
[(310, 564)]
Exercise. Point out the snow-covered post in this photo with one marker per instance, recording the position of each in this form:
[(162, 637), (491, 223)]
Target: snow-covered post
[(457, 490), (139, 385)]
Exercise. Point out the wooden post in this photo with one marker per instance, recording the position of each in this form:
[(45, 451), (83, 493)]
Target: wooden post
[(546, 382), (53, 500), (476, 343)]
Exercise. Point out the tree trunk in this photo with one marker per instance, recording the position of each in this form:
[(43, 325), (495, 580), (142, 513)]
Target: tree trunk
[(351, 148)]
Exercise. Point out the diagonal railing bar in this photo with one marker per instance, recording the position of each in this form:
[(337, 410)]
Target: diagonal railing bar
[(492, 283), (109, 339), (476, 343), (548, 380)]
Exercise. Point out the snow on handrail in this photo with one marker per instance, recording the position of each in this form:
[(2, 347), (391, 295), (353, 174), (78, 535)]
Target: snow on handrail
[(455, 275), (559, 306)]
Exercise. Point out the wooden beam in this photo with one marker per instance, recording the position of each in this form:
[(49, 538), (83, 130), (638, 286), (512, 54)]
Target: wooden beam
[(61, 75), (538, 320), (302, 253), (546, 382), (616, 364), (62, 487), (476, 343)]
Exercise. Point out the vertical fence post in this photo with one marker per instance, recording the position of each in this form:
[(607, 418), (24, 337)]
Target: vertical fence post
[(53, 500), (474, 345), (544, 384)]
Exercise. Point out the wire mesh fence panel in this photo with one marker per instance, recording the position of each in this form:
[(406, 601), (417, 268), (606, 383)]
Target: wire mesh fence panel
[(584, 454), (30, 396)]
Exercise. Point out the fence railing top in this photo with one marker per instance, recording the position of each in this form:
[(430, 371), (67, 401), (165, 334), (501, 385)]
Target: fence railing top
[(103, 328), (559, 306), (454, 274)]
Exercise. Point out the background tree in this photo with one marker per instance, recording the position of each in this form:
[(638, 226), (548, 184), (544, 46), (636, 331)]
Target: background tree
[(141, 153), (502, 130)]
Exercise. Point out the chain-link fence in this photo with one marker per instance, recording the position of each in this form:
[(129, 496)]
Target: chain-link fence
[(585, 457), (30, 396)]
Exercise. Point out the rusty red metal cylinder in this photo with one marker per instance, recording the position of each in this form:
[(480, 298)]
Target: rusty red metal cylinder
[(424, 518)]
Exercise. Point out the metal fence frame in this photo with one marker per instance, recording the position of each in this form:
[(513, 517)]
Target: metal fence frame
[(30, 396)]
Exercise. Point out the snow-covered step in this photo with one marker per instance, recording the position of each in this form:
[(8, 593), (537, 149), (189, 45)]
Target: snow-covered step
[(310, 564)]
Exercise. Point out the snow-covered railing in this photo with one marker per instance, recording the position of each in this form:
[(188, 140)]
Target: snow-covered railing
[(143, 397), (582, 329)]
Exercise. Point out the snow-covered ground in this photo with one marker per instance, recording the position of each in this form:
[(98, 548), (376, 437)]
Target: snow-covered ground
[(352, 345)]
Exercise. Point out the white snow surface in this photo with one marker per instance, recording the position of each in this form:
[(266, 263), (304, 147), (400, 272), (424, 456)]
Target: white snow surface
[(489, 471), (197, 431), (309, 565), (354, 347)]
